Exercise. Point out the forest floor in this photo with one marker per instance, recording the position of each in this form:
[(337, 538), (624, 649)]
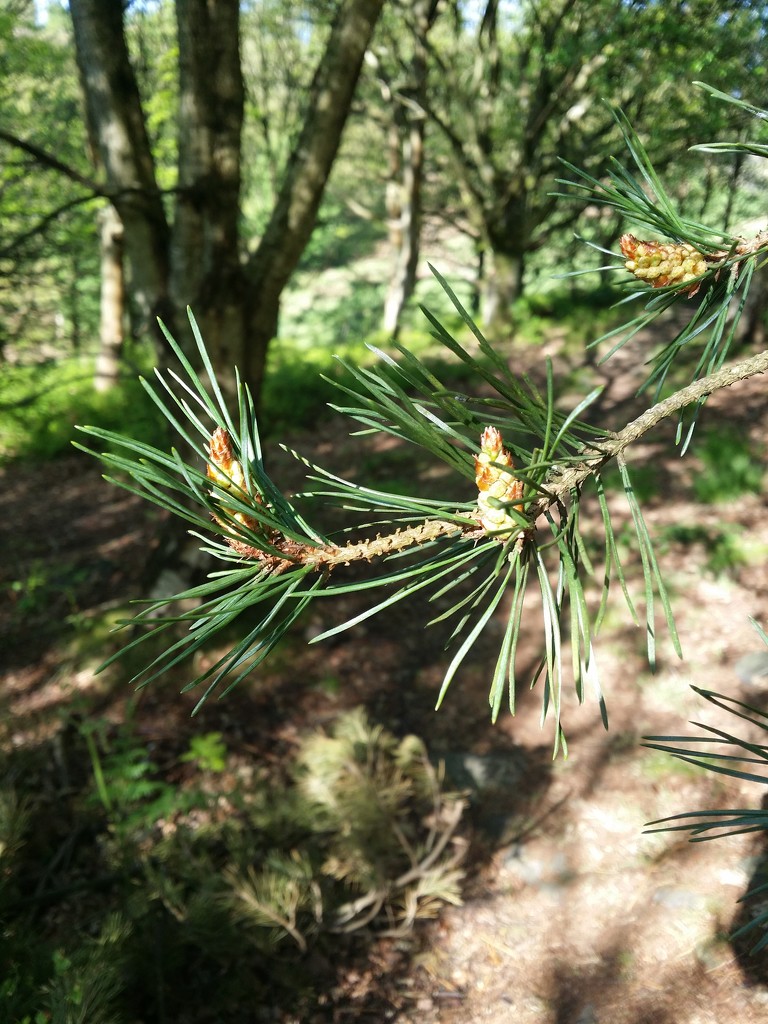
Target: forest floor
[(571, 913)]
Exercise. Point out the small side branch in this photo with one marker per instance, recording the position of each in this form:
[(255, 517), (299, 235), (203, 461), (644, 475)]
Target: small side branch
[(46, 159)]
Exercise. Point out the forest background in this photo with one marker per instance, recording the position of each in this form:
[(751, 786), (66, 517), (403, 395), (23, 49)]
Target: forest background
[(287, 170)]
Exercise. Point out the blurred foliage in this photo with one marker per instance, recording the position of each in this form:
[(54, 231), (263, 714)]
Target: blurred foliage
[(731, 466), (151, 38), (49, 283), (49, 280), (208, 751), (525, 86), (282, 40), (723, 547), (40, 402)]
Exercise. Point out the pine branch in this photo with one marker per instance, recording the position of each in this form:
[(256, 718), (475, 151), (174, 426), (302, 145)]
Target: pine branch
[(520, 528), (596, 455), (690, 395), (276, 557), (328, 557), (605, 451)]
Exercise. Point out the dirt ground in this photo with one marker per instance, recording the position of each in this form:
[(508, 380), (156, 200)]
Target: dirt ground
[(572, 914)]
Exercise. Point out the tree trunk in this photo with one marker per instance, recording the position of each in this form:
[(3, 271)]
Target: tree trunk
[(404, 200), (112, 301), (393, 199), (295, 212), (403, 279), (117, 126), (73, 303), (502, 284), (199, 261), (206, 266)]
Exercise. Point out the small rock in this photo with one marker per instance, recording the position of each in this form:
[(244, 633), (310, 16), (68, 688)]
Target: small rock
[(676, 898), (587, 1016), (482, 772), (752, 669)]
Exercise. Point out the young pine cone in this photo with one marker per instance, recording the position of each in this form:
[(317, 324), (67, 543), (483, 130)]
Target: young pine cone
[(663, 263), (495, 482)]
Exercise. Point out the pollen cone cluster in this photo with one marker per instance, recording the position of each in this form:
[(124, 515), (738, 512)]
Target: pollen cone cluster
[(495, 483), (663, 263)]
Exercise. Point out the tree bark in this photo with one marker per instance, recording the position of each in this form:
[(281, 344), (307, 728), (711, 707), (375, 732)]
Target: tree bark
[(503, 281), (404, 204), (112, 303), (206, 267), (118, 129), (408, 232)]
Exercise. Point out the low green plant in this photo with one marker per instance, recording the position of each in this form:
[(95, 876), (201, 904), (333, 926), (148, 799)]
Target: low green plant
[(219, 898), (86, 985), (26, 960), (126, 780), (296, 390), (208, 751), (382, 849), (14, 820), (45, 583), (30, 594)]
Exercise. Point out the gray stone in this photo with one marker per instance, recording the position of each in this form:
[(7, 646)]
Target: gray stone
[(483, 772), (752, 669), (676, 898)]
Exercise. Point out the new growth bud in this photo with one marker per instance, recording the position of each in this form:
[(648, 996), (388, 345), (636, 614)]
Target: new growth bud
[(224, 469), (227, 474), (496, 482), (663, 263)]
